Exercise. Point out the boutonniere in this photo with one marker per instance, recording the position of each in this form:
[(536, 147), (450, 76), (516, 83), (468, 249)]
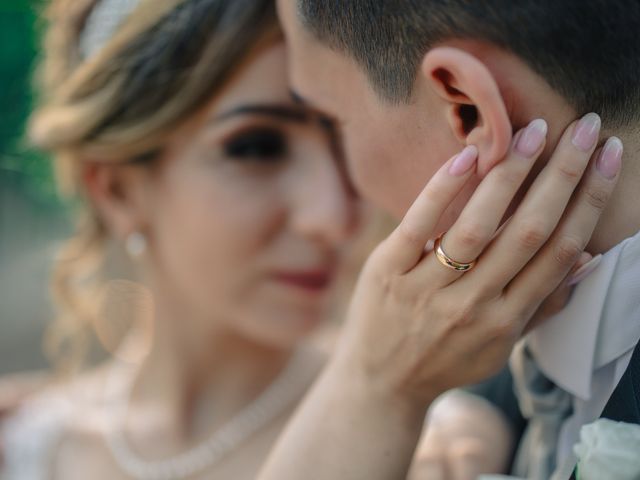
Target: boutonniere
[(608, 450)]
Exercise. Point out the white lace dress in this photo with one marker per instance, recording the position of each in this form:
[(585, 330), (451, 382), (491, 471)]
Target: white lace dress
[(30, 436)]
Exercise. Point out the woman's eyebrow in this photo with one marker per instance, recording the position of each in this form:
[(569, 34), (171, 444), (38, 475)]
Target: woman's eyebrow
[(297, 98), (296, 114), (302, 102)]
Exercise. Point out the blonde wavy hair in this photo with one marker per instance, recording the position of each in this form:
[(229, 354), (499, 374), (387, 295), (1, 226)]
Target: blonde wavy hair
[(167, 60)]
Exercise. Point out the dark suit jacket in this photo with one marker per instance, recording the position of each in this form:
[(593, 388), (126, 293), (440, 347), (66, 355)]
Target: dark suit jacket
[(623, 405)]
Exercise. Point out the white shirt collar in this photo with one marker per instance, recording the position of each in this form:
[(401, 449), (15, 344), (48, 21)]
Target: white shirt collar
[(599, 325)]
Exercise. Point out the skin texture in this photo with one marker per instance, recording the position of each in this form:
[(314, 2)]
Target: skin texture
[(378, 396), (392, 151), (244, 221), (386, 406), (222, 227), (217, 228)]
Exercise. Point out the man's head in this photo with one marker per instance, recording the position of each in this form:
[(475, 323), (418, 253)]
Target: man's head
[(411, 82)]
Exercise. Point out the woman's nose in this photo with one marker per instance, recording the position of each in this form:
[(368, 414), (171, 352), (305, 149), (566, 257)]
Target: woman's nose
[(327, 207)]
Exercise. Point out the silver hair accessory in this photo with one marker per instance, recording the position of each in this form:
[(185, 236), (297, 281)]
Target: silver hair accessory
[(102, 24)]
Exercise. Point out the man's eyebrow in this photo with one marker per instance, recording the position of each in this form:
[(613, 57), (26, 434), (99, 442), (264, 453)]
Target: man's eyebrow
[(289, 113)]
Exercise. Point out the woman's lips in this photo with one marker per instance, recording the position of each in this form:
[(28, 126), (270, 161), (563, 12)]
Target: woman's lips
[(311, 281)]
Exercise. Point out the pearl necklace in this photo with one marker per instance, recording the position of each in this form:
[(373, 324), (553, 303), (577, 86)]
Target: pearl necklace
[(287, 387)]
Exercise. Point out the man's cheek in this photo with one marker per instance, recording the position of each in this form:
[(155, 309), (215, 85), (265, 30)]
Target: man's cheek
[(391, 196), (370, 183), (382, 175), (363, 168)]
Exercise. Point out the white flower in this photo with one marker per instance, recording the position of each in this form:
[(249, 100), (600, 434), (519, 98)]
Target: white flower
[(609, 450)]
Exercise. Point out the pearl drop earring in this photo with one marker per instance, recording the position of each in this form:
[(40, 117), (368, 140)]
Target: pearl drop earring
[(136, 244)]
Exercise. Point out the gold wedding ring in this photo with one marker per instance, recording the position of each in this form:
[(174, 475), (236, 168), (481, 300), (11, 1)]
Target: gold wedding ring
[(449, 262)]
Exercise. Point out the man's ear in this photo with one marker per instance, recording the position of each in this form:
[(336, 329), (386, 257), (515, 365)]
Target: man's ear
[(476, 111), (115, 190)]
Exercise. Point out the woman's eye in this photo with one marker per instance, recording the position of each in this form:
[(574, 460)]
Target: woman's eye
[(257, 145)]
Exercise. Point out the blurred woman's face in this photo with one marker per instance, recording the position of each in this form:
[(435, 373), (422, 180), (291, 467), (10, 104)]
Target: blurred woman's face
[(250, 210)]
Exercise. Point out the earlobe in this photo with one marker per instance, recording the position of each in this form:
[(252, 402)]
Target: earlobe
[(475, 108), (107, 191)]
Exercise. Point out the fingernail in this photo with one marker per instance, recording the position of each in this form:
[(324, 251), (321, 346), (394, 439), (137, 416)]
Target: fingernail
[(610, 160), (464, 161), (584, 271), (532, 138), (587, 131)]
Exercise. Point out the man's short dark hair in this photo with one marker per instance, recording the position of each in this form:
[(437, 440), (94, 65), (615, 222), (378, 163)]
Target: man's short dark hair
[(587, 50)]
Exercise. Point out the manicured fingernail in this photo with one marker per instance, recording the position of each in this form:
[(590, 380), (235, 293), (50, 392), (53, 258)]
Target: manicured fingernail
[(584, 271), (464, 161), (532, 138), (587, 131), (610, 160)]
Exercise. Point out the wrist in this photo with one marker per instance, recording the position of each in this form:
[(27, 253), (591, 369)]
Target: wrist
[(381, 393)]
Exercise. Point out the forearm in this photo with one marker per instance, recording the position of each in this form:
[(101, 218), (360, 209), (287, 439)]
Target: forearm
[(346, 429)]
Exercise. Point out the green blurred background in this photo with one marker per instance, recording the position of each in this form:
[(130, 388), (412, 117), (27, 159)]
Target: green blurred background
[(32, 219)]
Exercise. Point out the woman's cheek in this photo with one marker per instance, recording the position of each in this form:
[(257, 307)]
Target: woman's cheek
[(216, 225), (233, 239)]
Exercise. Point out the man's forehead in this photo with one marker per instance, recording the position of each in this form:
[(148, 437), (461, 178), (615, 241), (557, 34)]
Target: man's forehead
[(287, 13), (319, 76), (282, 8), (312, 74)]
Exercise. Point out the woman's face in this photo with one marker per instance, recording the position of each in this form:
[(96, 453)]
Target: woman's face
[(249, 211)]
